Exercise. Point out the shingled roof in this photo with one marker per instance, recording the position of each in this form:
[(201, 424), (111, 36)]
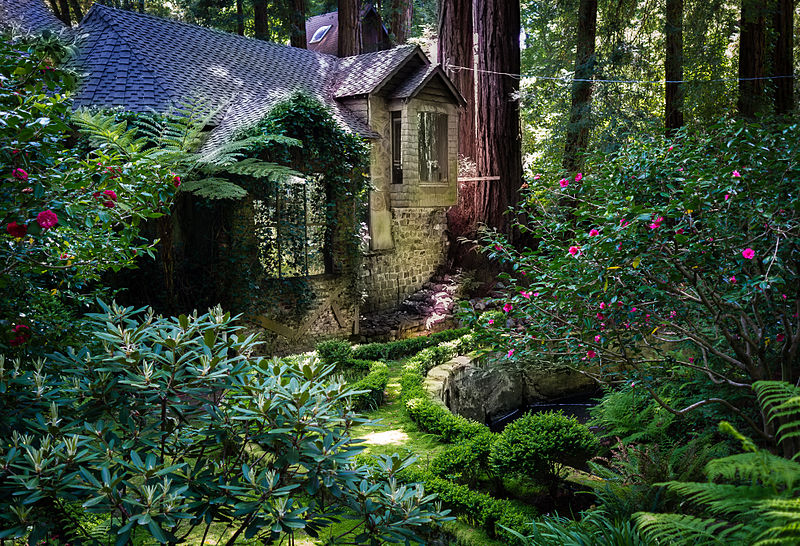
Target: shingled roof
[(29, 15)]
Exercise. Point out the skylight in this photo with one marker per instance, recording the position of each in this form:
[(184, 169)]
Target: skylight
[(320, 34)]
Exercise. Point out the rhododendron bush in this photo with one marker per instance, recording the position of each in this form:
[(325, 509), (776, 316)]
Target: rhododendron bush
[(68, 214), (666, 255)]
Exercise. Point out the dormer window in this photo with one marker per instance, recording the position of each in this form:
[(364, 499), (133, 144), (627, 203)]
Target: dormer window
[(320, 34)]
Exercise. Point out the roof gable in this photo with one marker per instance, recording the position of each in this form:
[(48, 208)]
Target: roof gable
[(424, 77), (374, 38), (30, 15)]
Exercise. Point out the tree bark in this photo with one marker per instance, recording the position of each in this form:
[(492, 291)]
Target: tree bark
[(349, 28), (298, 23), (64, 9), (752, 44), (498, 145), (239, 18), (76, 9), (141, 6), (260, 19), (579, 119), (783, 22), (56, 10), (673, 67), (400, 24), (455, 49)]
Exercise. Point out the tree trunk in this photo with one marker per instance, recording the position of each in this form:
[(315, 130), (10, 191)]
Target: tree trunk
[(141, 6), (260, 19), (673, 67), (752, 43), (349, 28), (239, 18), (498, 146), (298, 22), (455, 49), (400, 24), (579, 119), (64, 9), (783, 22), (76, 9), (56, 11)]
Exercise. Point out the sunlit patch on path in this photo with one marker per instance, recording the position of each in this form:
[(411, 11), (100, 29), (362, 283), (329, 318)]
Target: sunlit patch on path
[(389, 437)]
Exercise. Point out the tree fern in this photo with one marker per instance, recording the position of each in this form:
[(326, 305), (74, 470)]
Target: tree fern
[(680, 529), (781, 402), (214, 188)]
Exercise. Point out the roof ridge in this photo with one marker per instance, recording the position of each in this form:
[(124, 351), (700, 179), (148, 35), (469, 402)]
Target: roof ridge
[(132, 45)]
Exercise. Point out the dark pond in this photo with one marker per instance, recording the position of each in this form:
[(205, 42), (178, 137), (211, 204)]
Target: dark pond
[(577, 405)]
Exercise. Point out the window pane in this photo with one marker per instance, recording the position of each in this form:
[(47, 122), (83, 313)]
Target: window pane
[(432, 146)]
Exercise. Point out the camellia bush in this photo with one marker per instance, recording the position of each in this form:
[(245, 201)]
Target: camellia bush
[(67, 215), (679, 254), (169, 428)]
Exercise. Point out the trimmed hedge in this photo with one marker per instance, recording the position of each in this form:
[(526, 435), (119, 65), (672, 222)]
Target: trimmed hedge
[(431, 417), (374, 383), (404, 347), (476, 508)]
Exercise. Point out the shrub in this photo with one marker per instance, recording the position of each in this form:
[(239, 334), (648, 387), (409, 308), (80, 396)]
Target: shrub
[(334, 351), (374, 385), (465, 461), (538, 445), (667, 253), (396, 349), (167, 424)]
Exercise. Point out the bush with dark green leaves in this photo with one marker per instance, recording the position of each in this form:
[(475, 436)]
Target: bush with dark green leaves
[(370, 388), (404, 347), (537, 446), (334, 351), (169, 425), (465, 461)]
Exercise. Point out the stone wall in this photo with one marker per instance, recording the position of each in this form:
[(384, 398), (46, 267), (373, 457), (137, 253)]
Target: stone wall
[(420, 247)]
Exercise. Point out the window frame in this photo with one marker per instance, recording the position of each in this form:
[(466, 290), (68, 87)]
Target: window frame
[(437, 145), (317, 37)]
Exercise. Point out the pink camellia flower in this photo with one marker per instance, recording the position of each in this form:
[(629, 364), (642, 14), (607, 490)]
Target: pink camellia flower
[(23, 334), (590, 354), (20, 174), (536, 177), (498, 248), (563, 182), (732, 279), (783, 296), (736, 174), (727, 196), (780, 337), (657, 222), (748, 253), (602, 305), (46, 219), (176, 180), (507, 307), (574, 250), (491, 321), (672, 314), (17, 230), (536, 295), (111, 194), (578, 177), (593, 232), (691, 359), (623, 223), (669, 149), (597, 338), (599, 316), (525, 295), (633, 309), (510, 353)]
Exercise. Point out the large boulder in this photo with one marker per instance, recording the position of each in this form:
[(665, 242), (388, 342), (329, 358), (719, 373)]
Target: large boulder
[(485, 393)]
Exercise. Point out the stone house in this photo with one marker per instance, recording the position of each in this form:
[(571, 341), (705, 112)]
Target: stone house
[(404, 107)]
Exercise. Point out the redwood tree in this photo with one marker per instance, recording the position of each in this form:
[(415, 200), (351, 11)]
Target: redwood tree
[(239, 18), (579, 119), (349, 28), (782, 22), (498, 149), (298, 24), (673, 66), (400, 24), (752, 45), (455, 50)]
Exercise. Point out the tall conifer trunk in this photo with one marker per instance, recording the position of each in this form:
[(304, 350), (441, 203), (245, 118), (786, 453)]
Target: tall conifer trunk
[(239, 18), (498, 149), (752, 44), (260, 19), (298, 24), (579, 119), (349, 28), (783, 23), (400, 24), (64, 9), (673, 67)]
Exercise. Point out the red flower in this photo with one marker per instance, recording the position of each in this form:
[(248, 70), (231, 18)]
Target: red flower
[(779, 338), (17, 230), (46, 219), (590, 354), (20, 174), (176, 180), (23, 334), (111, 194)]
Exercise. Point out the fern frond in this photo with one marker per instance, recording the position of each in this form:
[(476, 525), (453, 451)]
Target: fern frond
[(103, 131), (722, 499), (678, 529), (781, 401), (787, 529), (262, 169), (761, 467), (214, 188)]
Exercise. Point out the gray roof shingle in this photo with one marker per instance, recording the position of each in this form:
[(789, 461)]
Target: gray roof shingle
[(29, 15), (366, 73)]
